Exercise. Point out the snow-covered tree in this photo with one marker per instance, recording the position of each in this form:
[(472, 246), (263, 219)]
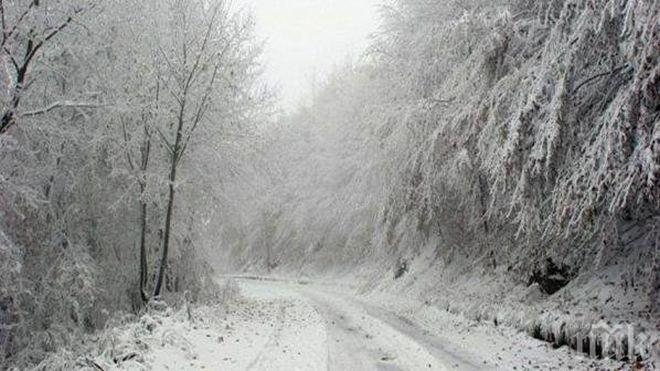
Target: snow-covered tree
[(85, 173)]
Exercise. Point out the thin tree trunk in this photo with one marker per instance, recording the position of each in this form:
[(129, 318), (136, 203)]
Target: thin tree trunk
[(170, 202), (483, 199), (168, 226), (143, 247), (145, 151)]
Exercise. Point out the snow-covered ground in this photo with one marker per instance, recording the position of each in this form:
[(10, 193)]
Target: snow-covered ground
[(287, 325), (259, 332)]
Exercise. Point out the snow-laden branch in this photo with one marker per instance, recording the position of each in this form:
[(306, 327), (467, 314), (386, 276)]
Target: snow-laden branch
[(61, 104), (597, 76)]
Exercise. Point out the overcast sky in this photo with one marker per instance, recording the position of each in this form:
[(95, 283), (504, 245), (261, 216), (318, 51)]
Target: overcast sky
[(307, 38)]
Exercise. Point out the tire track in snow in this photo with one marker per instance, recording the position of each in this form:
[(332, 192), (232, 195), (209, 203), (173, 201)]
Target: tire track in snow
[(359, 341)]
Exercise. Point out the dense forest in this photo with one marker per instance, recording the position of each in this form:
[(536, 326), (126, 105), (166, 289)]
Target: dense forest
[(140, 151)]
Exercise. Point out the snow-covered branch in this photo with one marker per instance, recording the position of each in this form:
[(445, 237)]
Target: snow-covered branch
[(59, 105)]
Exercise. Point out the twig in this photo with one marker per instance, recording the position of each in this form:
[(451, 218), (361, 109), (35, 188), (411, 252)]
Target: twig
[(94, 365), (592, 78), (165, 140)]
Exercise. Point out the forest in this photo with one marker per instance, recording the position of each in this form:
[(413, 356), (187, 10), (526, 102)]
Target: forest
[(479, 153)]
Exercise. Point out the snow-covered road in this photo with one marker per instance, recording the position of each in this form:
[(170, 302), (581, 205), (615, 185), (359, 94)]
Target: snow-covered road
[(281, 325), (357, 337)]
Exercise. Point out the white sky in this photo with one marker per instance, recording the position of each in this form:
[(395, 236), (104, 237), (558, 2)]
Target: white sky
[(305, 39)]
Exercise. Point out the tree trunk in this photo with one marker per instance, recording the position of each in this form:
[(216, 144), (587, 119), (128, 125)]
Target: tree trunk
[(145, 150), (168, 226), (170, 202), (143, 247)]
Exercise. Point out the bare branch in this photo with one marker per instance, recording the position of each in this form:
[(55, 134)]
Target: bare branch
[(128, 151), (2, 22), (7, 35), (165, 141)]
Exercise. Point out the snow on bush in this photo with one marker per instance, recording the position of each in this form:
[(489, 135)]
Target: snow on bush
[(128, 341)]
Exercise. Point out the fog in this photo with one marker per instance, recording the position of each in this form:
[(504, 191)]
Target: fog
[(307, 39)]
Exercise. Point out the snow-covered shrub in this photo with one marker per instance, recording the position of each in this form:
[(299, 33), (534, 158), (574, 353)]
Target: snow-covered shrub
[(50, 314), (128, 341)]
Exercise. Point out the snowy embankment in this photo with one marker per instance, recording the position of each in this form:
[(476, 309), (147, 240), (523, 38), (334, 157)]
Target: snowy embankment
[(593, 316)]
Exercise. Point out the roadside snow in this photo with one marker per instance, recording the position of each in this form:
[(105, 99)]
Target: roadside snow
[(258, 333), (250, 334)]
